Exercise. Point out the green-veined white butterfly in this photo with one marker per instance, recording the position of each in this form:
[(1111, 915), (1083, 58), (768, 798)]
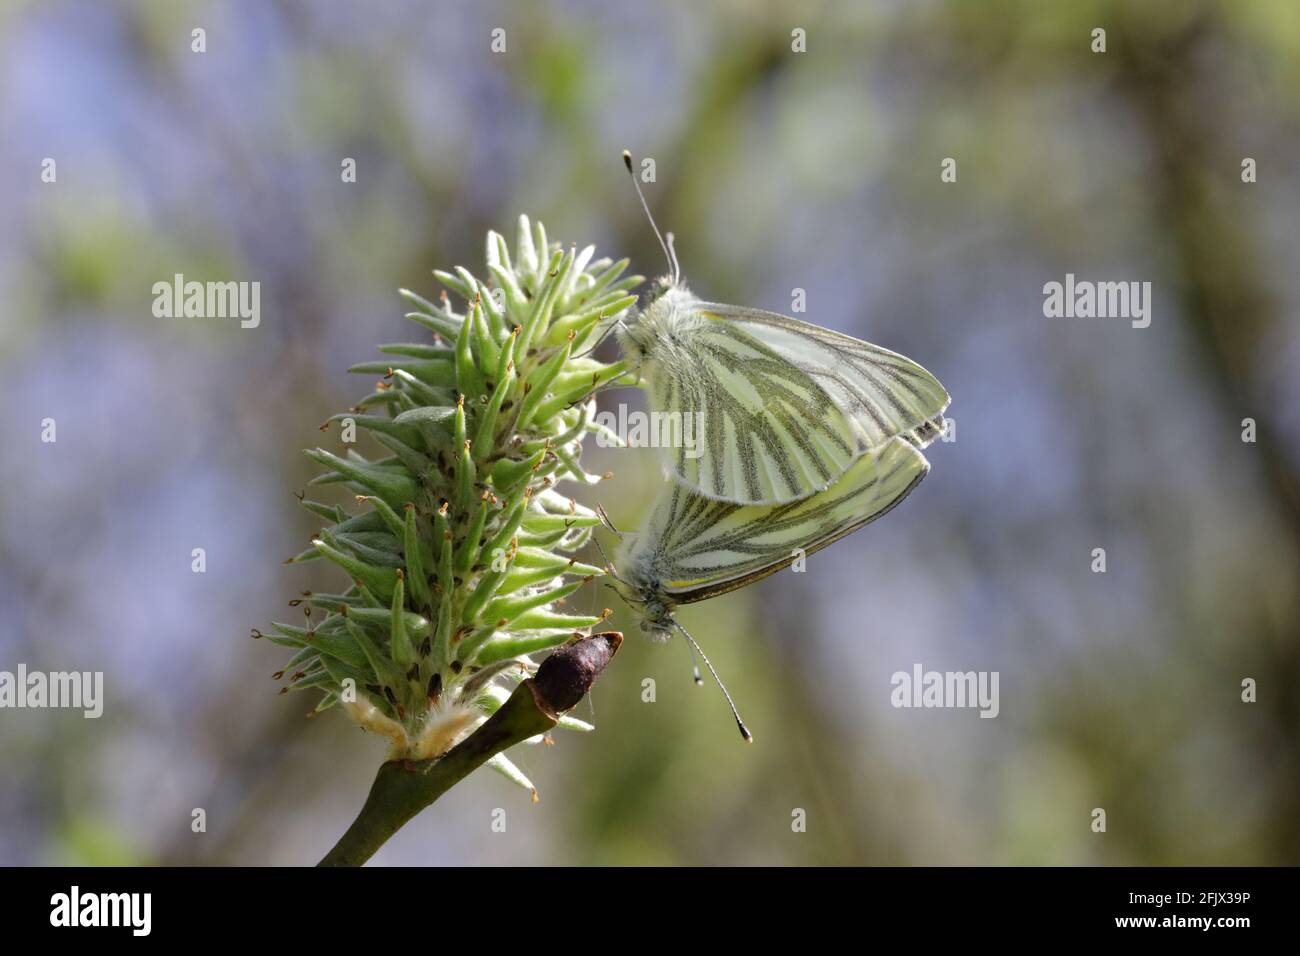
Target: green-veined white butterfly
[(786, 406), (692, 548)]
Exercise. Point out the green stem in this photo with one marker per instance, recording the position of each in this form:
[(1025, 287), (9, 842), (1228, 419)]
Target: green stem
[(404, 788)]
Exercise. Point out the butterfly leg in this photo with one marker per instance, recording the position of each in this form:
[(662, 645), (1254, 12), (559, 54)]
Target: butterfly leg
[(616, 382), (604, 519), (603, 336), (609, 565)]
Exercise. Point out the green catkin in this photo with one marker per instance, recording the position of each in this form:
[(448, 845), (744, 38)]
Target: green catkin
[(540, 383), (459, 551), (485, 589), (442, 529), (415, 558), (469, 551), (487, 349), (400, 643), (466, 473), (386, 513), (484, 439), (469, 380)]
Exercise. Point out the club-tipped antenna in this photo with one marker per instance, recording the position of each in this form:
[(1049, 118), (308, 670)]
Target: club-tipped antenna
[(667, 247), (744, 731), (695, 668)]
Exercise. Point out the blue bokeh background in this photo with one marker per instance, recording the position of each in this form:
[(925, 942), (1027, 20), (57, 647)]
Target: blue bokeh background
[(776, 170)]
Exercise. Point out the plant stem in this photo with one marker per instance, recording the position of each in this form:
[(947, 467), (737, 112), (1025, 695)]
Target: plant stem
[(404, 788)]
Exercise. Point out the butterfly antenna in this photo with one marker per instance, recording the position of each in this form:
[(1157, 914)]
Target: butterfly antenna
[(695, 668), (696, 649), (623, 325), (672, 256), (672, 260)]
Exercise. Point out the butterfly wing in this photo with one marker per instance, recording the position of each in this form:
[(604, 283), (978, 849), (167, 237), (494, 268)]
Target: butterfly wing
[(786, 406), (693, 548), (764, 430), (885, 394)]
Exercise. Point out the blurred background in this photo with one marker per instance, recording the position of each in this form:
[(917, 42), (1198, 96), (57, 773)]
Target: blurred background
[(776, 170)]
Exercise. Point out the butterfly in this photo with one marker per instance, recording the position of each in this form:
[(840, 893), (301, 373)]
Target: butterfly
[(692, 547), (786, 407)]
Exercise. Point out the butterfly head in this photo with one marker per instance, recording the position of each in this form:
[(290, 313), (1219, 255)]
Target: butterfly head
[(643, 597), (635, 339), (661, 324), (659, 288), (655, 618)]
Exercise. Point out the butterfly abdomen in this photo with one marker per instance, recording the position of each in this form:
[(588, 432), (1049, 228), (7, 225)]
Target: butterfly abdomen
[(926, 432)]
